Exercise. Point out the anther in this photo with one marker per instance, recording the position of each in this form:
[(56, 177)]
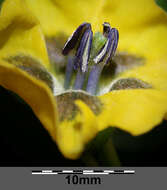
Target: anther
[(103, 57), (82, 57), (81, 41), (74, 38), (97, 52), (83, 51), (110, 47)]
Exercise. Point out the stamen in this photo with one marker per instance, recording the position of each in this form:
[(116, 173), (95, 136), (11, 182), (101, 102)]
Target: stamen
[(82, 57), (103, 57), (74, 38), (103, 48), (110, 47), (114, 36), (94, 78), (79, 81), (83, 51), (69, 72), (83, 33)]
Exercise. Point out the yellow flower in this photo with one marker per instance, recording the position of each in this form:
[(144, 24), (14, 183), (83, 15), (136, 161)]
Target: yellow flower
[(137, 101)]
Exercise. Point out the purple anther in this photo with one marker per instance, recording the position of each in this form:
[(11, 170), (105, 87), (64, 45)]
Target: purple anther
[(81, 41), (74, 38), (82, 57), (110, 46), (103, 57), (113, 35), (116, 37), (83, 51), (106, 29)]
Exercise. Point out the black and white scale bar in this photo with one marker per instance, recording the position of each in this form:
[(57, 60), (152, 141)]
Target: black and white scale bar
[(86, 172)]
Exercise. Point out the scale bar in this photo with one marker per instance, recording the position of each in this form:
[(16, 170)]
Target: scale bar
[(84, 172)]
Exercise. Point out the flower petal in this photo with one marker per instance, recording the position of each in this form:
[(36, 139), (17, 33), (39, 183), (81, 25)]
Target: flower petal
[(23, 55), (55, 16), (33, 91), (73, 135), (23, 70), (154, 74), (20, 32), (142, 27), (141, 24), (136, 111)]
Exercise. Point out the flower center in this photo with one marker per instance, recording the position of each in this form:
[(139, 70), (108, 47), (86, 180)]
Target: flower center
[(91, 54)]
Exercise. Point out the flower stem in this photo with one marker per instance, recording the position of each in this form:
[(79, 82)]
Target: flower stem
[(110, 155), (101, 150), (94, 78), (89, 160)]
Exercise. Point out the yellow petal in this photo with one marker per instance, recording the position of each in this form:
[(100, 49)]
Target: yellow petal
[(72, 135), (154, 74), (33, 91), (131, 14), (64, 16), (142, 26), (20, 37), (135, 111), (148, 42), (20, 32), (22, 54)]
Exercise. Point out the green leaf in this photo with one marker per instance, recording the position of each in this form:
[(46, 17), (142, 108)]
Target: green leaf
[(1, 1), (162, 4)]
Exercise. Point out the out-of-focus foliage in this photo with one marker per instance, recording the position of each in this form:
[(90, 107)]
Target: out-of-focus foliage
[(162, 4), (1, 1)]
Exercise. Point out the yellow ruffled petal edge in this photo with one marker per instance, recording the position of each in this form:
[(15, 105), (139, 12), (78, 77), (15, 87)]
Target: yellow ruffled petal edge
[(20, 35), (20, 32), (136, 111), (33, 91)]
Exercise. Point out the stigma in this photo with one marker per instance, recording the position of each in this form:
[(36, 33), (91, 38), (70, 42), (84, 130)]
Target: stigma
[(87, 56)]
